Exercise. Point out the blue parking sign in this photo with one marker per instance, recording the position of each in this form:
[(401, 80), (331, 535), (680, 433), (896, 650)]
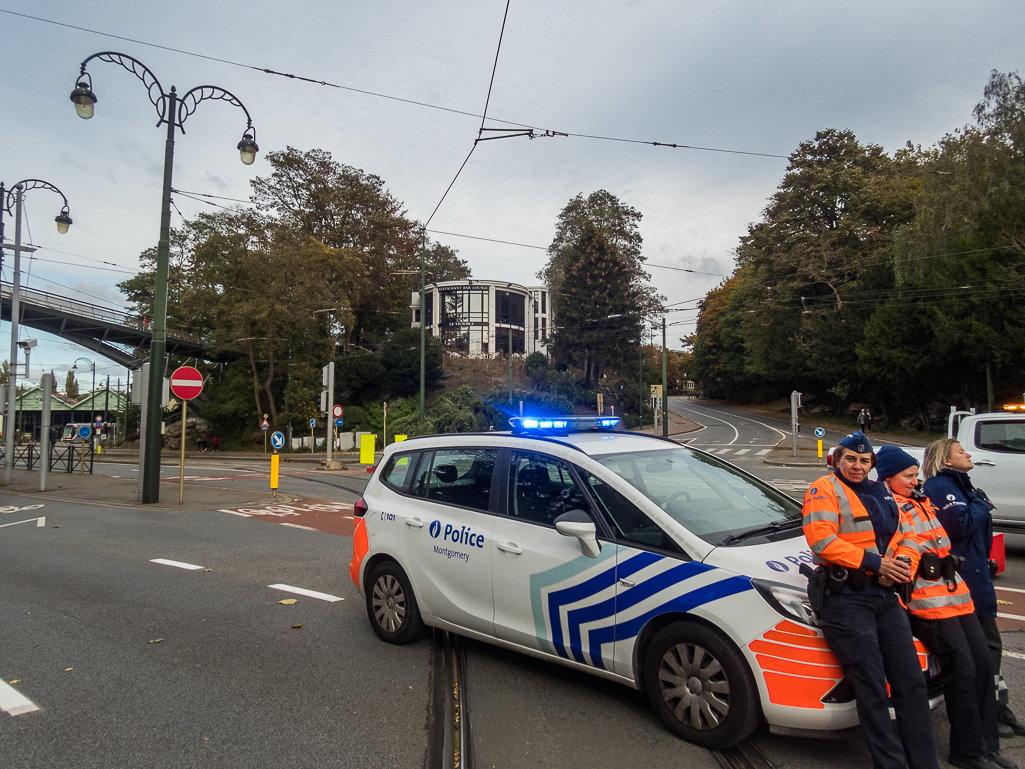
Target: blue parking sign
[(339, 422), (313, 423)]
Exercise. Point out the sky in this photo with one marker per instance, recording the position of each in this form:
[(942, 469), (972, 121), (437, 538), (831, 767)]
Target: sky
[(743, 76)]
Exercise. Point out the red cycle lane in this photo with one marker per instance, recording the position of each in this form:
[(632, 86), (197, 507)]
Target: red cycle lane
[(312, 514)]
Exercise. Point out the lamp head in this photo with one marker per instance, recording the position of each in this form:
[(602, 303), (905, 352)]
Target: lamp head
[(63, 221), (248, 148), (84, 99)]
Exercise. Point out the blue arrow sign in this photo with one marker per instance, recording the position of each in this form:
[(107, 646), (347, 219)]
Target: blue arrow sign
[(339, 422), (84, 432), (277, 440), (820, 432)]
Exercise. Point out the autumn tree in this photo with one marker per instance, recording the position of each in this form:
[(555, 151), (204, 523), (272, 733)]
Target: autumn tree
[(71, 386)]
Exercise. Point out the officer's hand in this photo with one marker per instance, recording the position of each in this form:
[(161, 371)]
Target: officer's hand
[(885, 581), (894, 570)]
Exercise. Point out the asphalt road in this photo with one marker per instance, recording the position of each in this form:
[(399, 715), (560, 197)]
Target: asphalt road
[(233, 683)]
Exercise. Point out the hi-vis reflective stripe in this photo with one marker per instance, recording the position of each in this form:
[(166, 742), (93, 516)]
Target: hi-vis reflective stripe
[(848, 523), (940, 601)]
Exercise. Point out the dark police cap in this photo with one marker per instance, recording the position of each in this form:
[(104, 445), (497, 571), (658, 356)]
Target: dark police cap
[(857, 442)]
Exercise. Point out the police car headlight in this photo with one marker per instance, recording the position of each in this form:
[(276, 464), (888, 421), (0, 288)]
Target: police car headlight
[(789, 601)]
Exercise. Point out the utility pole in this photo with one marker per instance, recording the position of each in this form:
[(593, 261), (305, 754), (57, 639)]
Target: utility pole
[(423, 320), (665, 383), (510, 365), (640, 380)]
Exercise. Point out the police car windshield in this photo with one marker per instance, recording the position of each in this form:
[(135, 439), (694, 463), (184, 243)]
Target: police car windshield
[(708, 498)]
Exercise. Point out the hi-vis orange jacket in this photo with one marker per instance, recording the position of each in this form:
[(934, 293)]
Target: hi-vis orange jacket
[(836, 524), (920, 532)]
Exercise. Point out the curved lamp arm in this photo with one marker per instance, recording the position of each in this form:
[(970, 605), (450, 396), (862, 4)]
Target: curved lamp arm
[(155, 92), (187, 104), (7, 202)]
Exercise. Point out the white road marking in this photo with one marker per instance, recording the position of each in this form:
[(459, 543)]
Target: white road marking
[(720, 452), (6, 509), (298, 526), (178, 564), (308, 593), (1009, 589), (40, 521), (742, 451), (14, 702), (1015, 655), (763, 452), (235, 512), (1011, 616)]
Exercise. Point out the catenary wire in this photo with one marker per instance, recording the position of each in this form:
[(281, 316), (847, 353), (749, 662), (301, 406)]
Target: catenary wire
[(313, 81)]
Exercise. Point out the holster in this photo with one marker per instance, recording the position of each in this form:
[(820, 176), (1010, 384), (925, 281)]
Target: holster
[(932, 567), (817, 585)]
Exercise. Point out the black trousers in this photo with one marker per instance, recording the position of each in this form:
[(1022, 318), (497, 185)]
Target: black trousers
[(871, 637), (996, 649), (969, 692)]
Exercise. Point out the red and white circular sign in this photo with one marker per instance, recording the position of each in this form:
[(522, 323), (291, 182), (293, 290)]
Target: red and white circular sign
[(186, 383), (338, 411)]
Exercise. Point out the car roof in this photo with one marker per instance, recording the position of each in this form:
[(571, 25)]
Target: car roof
[(590, 442)]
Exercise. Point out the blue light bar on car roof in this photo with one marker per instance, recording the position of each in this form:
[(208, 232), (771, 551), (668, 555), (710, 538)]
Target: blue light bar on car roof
[(562, 424)]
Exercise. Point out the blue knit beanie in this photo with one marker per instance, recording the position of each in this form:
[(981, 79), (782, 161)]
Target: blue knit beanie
[(857, 442), (891, 460)]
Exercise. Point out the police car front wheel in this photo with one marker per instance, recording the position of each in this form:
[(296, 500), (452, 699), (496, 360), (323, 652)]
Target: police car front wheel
[(391, 605), (700, 685)]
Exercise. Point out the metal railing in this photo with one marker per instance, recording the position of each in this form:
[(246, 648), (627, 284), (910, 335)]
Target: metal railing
[(91, 311), (68, 458)]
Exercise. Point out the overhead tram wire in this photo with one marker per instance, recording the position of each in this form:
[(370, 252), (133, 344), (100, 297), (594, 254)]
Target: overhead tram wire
[(314, 81)]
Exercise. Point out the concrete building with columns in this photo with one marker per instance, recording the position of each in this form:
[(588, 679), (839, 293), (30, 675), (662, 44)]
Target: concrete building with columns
[(479, 317)]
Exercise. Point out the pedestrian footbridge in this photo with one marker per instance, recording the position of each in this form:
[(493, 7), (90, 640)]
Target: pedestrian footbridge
[(116, 335)]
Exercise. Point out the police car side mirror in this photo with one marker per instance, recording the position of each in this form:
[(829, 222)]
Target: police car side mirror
[(577, 523)]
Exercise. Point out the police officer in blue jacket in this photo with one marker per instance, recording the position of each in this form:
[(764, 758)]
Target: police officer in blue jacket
[(966, 516)]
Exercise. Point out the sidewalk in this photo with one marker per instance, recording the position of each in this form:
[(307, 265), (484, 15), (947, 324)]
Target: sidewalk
[(678, 425), (123, 492), (807, 448)]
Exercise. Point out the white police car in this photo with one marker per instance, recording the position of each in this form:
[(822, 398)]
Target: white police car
[(623, 555)]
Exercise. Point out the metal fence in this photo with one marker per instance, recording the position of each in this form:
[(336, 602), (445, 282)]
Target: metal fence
[(66, 458)]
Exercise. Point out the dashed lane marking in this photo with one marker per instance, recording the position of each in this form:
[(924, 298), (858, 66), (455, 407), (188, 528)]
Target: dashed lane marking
[(14, 702), (178, 564), (298, 526), (763, 452), (1011, 616), (1009, 589), (307, 593), (1014, 655), (742, 451)]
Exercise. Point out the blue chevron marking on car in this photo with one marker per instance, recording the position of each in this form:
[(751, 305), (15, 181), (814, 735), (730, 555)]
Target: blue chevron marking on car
[(581, 644)]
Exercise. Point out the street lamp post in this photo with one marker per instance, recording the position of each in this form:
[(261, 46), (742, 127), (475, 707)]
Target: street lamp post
[(92, 392), (63, 223), (173, 111)]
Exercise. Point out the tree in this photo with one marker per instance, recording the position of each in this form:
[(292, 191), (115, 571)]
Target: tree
[(599, 306), (401, 361), (71, 386), (617, 222)]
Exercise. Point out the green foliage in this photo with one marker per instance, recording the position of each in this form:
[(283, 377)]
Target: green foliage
[(70, 383), (359, 376), (536, 367), (894, 279), (401, 362)]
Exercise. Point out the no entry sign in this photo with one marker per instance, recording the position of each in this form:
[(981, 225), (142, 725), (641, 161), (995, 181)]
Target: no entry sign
[(186, 383)]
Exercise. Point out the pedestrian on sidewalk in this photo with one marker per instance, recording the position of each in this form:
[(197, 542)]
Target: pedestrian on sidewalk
[(216, 444), (868, 420), (862, 419), (204, 439), (199, 443)]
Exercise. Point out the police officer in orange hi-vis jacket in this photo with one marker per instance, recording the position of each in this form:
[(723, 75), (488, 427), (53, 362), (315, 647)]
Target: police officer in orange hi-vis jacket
[(943, 617), (849, 522)]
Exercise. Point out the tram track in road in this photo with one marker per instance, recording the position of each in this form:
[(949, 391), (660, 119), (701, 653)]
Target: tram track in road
[(449, 743)]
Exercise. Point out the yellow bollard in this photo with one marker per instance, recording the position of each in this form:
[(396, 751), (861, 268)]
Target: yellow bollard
[(820, 448), (400, 438), (366, 449), (274, 462)]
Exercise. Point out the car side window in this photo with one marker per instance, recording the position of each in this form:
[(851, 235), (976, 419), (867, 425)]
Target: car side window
[(541, 489), (396, 474), (460, 477), (1002, 436), (630, 523)]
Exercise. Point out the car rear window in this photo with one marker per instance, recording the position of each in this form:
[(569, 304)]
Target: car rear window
[(460, 477), (1006, 436), (397, 472)]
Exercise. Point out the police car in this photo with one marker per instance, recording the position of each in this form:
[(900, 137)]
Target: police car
[(615, 553)]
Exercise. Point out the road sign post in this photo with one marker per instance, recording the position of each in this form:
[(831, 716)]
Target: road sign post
[(186, 384), (795, 426)]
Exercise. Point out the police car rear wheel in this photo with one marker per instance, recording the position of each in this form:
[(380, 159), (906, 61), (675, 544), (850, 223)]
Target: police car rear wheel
[(700, 686), (392, 607)]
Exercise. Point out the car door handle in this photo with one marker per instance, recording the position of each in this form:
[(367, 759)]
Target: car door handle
[(984, 463), (509, 547), (416, 523), (626, 583)]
